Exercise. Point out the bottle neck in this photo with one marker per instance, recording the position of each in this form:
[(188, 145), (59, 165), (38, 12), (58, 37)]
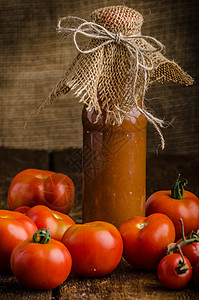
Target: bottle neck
[(134, 121)]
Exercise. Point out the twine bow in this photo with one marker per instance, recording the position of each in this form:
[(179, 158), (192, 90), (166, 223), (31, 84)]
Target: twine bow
[(138, 55)]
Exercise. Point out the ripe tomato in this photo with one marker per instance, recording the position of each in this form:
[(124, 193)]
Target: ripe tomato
[(42, 263), (14, 228), (172, 273), (195, 275), (95, 247), (56, 222), (145, 240), (176, 204), (32, 187), (190, 247), (23, 209)]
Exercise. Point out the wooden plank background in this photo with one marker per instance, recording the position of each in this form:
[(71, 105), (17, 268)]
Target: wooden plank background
[(33, 60)]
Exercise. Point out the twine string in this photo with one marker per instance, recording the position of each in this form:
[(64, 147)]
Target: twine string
[(137, 53)]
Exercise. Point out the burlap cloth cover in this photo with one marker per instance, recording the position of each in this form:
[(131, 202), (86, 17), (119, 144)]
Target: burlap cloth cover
[(106, 75)]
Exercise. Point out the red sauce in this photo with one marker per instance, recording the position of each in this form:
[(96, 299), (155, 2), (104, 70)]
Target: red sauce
[(114, 168)]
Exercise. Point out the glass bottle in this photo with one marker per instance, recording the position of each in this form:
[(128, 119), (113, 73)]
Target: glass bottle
[(114, 168)]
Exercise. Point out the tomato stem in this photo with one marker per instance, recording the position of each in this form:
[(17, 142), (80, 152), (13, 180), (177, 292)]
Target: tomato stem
[(177, 190), (192, 238), (182, 267), (41, 236), (193, 234), (182, 227), (179, 249)]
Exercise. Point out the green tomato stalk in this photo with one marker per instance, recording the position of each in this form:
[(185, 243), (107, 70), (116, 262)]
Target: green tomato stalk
[(192, 238), (177, 190), (41, 236)]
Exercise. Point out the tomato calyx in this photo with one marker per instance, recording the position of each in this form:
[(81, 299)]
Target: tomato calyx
[(193, 235), (41, 236), (182, 268), (177, 190)]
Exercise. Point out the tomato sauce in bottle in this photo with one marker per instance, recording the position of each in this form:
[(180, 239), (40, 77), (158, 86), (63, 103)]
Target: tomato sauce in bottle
[(114, 168)]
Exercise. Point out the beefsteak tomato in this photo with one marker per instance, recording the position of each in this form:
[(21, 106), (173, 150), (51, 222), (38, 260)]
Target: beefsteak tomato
[(56, 222), (145, 240), (95, 247), (14, 228), (32, 187), (41, 262), (173, 272), (176, 203)]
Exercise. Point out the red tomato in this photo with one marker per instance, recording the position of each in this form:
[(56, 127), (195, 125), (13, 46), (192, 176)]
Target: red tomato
[(56, 222), (23, 209), (32, 187), (195, 275), (14, 228), (169, 271), (41, 264), (186, 208), (191, 251), (95, 247), (145, 240)]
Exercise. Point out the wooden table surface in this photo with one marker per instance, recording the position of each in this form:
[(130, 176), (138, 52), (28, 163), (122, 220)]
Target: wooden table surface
[(124, 282)]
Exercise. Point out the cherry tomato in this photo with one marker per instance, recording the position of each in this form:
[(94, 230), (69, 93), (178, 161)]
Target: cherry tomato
[(56, 222), (32, 187), (145, 240), (40, 262), (95, 247), (195, 275), (177, 203), (173, 273), (14, 228), (190, 250)]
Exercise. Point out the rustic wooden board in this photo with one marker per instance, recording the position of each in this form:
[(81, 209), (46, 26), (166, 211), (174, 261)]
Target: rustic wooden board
[(14, 161), (162, 171), (124, 282), (11, 289)]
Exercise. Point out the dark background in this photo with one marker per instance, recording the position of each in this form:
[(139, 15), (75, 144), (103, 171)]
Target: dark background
[(33, 60)]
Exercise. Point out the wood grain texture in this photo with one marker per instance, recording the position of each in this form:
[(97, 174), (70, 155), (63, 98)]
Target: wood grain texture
[(33, 60), (124, 282), (15, 161), (11, 289)]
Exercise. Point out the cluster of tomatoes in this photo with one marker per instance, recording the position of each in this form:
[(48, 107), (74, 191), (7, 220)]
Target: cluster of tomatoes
[(40, 244), (181, 263)]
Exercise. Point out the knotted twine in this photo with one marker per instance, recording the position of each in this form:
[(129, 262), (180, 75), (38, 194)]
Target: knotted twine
[(113, 71)]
